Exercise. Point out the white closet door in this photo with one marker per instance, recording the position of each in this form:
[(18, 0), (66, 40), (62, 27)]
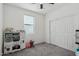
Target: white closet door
[(52, 32), (62, 32)]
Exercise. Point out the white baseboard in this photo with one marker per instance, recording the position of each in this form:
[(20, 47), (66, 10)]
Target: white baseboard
[(62, 47)]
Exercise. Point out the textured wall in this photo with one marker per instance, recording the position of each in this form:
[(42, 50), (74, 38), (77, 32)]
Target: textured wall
[(14, 17), (1, 19), (65, 18)]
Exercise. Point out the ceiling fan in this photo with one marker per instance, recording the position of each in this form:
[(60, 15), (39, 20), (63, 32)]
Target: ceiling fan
[(41, 5)]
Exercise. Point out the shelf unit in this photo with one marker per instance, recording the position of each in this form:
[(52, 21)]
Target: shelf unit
[(13, 40)]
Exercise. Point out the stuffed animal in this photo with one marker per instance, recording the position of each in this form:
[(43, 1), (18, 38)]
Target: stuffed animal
[(29, 44)]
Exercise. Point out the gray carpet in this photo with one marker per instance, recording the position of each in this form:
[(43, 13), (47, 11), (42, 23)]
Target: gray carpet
[(43, 50)]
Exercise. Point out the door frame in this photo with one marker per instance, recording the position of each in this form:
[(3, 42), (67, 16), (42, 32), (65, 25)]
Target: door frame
[(49, 31)]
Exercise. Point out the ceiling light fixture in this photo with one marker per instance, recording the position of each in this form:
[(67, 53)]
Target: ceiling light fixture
[(42, 5)]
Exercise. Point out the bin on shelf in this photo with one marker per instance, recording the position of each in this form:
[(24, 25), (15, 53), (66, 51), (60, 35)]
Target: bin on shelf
[(77, 52)]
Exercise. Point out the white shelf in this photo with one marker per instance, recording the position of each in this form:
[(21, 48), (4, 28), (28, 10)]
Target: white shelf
[(13, 43)]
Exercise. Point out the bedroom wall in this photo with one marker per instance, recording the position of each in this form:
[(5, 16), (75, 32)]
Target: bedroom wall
[(1, 22), (14, 17), (62, 14)]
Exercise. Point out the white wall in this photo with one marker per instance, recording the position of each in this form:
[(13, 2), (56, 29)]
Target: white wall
[(1, 21), (14, 17), (67, 11)]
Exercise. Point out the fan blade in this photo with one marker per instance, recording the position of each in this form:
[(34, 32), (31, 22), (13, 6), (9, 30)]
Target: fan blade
[(51, 3), (41, 6)]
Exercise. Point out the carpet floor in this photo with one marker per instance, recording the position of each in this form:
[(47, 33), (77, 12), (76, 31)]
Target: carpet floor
[(43, 49)]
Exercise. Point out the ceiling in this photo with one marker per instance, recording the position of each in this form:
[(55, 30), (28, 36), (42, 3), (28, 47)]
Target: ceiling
[(36, 7)]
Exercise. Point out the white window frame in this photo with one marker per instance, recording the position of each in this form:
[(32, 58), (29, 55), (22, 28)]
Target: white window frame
[(31, 24)]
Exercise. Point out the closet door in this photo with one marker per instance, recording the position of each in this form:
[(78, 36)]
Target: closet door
[(62, 32)]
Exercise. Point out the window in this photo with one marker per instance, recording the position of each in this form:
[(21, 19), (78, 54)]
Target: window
[(28, 24)]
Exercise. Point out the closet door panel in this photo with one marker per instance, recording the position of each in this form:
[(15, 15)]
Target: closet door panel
[(62, 32)]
